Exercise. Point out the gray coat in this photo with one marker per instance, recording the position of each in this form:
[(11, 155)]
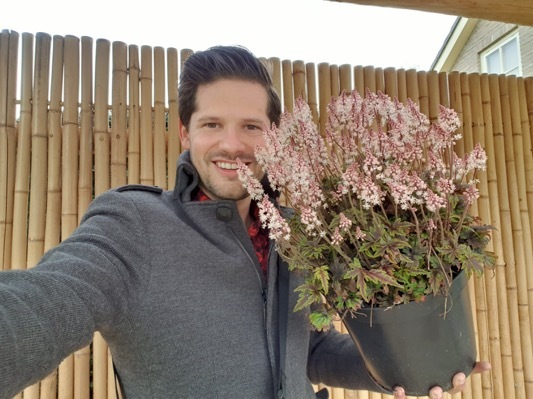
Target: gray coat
[(175, 288)]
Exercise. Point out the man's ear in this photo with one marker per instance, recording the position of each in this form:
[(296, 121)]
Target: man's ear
[(184, 138)]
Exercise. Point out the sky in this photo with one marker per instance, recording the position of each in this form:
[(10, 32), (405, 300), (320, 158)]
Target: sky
[(308, 30)]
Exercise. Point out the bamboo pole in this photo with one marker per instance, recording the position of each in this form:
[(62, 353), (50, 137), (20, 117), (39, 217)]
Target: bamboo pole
[(65, 66), (68, 156), (506, 203), (85, 182), (324, 92), (312, 98), (499, 333), (380, 79), (486, 314), (369, 74), (70, 142), (467, 140), (486, 299), (520, 218), (459, 148), (70, 167), (411, 82), (525, 90), (335, 80), (375, 395), (101, 184), (345, 78), (391, 84), (473, 388), (11, 132), (401, 77), (288, 89), (524, 148), (274, 65), (101, 118), (134, 118), (118, 136), (173, 116), (53, 200), (160, 156), (423, 92), (433, 95), (350, 394), (39, 149), (4, 156), (456, 103), (9, 129), (359, 79), (444, 89), (22, 174), (147, 140), (299, 80)]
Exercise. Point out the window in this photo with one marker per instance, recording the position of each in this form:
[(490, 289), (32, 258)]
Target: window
[(503, 57)]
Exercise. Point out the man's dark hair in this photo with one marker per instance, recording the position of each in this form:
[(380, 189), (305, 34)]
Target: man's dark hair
[(223, 62)]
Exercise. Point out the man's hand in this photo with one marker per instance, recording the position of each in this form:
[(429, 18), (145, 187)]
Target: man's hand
[(458, 381)]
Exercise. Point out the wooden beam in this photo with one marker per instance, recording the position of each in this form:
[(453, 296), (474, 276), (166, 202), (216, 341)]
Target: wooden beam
[(511, 11)]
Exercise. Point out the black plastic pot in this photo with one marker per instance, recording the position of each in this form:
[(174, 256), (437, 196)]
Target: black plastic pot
[(418, 345)]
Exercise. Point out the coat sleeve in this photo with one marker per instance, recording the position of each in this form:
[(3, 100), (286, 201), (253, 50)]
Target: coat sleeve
[(335, 361), (85, 284)]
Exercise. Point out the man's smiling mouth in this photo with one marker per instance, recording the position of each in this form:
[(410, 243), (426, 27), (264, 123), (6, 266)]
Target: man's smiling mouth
[(226, 165)]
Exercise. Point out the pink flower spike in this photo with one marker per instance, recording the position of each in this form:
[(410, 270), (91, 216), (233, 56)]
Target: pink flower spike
[(252, 185)]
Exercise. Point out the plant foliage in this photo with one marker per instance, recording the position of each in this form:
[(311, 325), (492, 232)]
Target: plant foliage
[(381, 203)]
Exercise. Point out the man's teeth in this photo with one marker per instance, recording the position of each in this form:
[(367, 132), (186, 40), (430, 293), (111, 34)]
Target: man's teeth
[(227, 165)]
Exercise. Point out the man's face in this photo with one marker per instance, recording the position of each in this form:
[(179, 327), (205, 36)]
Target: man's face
[(227, 124)]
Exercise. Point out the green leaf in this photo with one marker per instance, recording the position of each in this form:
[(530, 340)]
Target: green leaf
[(380, 276), (320, 321), (307, 297), (321, 276)]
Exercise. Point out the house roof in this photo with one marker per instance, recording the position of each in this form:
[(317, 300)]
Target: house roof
[(453, 44), (512, 11)]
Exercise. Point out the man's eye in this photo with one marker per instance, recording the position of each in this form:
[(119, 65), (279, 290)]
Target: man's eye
[(211, 125), (254, 129)]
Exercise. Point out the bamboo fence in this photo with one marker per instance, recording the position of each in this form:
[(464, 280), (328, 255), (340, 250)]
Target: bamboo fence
[(78, 117)]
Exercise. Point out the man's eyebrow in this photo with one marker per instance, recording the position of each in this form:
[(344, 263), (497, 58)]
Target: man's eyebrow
[(207, 117), (245, 120), (254, 120)]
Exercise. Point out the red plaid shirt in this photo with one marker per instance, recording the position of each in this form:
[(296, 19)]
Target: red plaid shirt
[(258, 235)]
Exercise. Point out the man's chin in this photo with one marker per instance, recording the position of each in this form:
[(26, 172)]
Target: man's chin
[(234, 196), (227, 194)]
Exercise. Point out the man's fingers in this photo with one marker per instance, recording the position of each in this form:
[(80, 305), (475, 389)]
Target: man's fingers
[(399, 393), (436, 393), (481, 367), (458, 381)]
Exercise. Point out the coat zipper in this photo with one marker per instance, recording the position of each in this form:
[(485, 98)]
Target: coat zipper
[(259, 278)]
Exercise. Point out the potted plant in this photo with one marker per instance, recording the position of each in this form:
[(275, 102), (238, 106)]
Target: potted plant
[(380, 221)]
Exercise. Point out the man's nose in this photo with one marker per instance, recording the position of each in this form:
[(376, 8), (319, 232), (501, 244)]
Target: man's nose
[(233, 139)]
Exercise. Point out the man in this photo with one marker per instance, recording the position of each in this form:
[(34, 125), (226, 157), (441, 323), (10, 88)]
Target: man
[(183, 285)]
